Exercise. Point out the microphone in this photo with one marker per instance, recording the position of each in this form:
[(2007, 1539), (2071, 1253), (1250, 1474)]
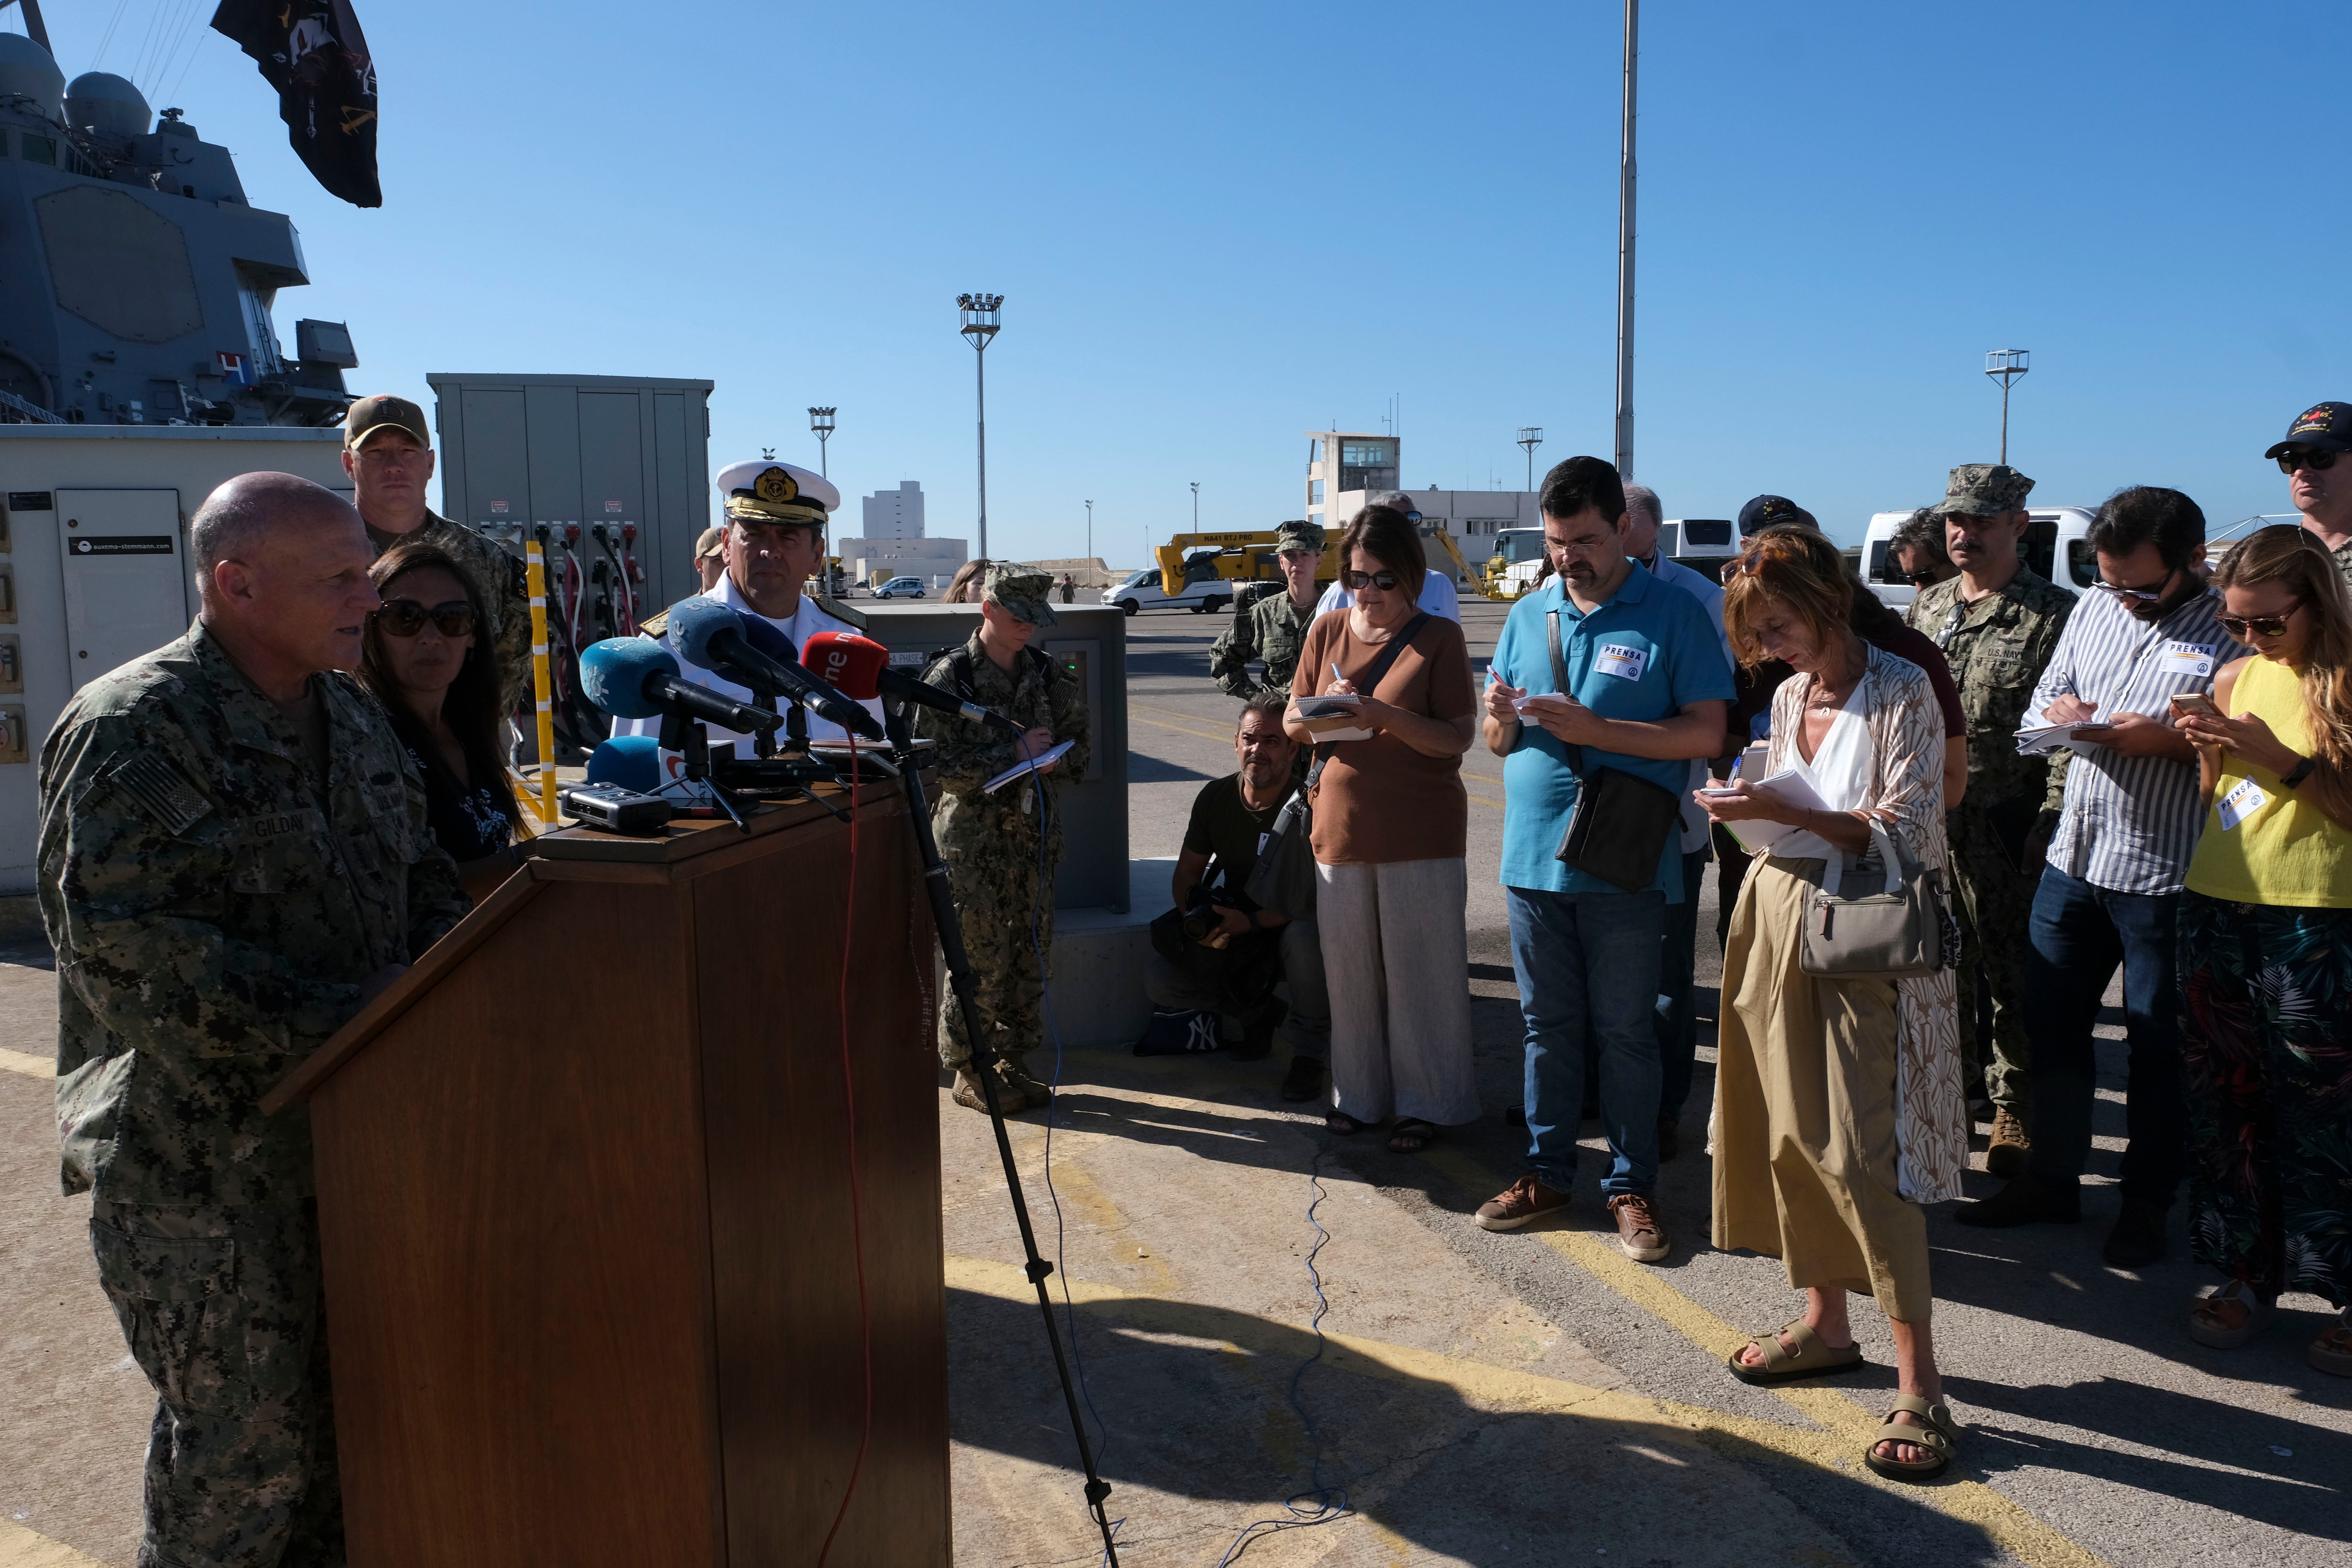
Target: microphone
[(716, 637), (636, 678), (860, 667)]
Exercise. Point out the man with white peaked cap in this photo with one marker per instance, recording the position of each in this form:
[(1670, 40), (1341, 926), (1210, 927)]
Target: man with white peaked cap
[(775, 518)]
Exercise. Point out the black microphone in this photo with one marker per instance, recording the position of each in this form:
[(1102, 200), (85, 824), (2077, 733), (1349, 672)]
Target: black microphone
[(636, 678), (716, 637), (860, 667)]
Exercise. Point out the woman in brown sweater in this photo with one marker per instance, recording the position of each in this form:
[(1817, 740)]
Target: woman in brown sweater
[(1390, 820)]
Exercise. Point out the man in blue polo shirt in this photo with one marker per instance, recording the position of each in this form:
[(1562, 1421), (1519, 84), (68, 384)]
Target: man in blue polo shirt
[(1646, 690)]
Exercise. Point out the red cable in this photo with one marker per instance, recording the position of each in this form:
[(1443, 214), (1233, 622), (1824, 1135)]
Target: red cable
[(857, 1224)]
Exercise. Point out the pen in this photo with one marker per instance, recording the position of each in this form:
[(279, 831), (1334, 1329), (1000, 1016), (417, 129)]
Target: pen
[(1335, 672)]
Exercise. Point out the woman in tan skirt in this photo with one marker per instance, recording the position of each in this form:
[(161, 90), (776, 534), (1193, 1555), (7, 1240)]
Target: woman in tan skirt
[(1838, 1106)]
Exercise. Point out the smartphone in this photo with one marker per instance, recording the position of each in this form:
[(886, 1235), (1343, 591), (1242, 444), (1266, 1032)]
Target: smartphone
[(2194, 702)]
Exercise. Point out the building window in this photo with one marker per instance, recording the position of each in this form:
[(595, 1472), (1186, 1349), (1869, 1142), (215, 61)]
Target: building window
[(1368, 453), (1314, 492)]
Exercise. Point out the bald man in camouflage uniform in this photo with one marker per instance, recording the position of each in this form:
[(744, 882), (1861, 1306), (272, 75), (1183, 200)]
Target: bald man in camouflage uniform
[(1001, 850), (234, 858), (1997, 623), (1272, 626)]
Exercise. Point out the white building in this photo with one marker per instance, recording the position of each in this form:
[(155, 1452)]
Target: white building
[(897, 513), (1345, 470)]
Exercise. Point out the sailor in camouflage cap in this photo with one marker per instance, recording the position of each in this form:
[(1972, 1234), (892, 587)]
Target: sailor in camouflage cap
[(1997, 623), (1984, 490), (1024, 590), (1001, 850), (1272, 626)]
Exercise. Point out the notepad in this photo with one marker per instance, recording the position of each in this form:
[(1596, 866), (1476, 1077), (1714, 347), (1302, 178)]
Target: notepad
[(2040, 739), (1789, 788), (1051, 754)]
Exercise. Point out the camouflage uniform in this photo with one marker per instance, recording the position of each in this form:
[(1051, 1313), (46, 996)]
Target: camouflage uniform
[(990, 842), (1266, 625), (215, 906), (498, 577), (1998, 647)]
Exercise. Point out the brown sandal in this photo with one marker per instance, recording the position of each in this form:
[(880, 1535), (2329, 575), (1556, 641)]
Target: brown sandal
[(1812, 1358), (1936, 1433)]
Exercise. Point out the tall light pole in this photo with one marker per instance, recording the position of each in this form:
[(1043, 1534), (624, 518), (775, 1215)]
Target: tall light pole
[(1530, 436), (2007, 364), (1625, 253), (1090, 533), (1196, 506), (821, 421), (982, 315)]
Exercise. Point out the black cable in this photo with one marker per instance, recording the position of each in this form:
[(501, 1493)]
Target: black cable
[(960, 980)]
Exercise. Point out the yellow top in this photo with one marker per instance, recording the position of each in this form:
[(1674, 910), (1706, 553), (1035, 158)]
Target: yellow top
[(2279, 849)]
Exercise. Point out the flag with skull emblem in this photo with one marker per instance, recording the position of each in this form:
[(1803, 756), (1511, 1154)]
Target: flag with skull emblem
[(313, 53)]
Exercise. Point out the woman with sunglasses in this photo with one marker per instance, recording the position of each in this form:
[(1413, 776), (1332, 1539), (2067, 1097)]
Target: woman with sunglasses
[(438, 679), (1391, 823), (2265, 942)]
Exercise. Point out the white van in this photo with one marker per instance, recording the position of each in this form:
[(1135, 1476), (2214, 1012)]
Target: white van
[(2057, 545), (1202, 595)]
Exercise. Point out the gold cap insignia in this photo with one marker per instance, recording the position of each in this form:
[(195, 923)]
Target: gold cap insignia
[(774, 485)]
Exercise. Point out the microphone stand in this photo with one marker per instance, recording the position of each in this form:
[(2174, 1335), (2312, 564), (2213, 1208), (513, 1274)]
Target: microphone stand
[(897, 719)]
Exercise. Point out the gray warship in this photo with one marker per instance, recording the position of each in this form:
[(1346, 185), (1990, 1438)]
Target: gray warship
[(139, 279)]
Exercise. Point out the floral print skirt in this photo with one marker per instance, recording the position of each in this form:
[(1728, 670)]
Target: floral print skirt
[(2266, 1043)]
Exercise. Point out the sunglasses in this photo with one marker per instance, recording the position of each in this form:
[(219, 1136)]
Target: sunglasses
[(2142, 595), (1385, 582), (2289, 462), (2240, 626), (406, 617), (1920, 579)]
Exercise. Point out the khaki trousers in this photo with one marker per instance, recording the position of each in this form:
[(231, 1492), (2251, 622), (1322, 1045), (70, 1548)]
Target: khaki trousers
[(1805, 1111)]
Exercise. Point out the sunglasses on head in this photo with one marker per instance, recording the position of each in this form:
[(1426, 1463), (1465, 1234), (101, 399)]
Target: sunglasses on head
[(2289, 461), (2240, 627), (1385, 582), (406, 617)]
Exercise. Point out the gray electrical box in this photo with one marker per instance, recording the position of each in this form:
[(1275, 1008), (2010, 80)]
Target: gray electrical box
[(1091, 642), (580, 449)]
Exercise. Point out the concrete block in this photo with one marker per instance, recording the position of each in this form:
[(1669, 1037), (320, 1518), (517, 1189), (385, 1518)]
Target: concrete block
[(1097, 985)]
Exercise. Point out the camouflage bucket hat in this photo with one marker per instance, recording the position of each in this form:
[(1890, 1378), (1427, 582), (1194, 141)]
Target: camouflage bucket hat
[(1297, 535), (1984, 490), (1021, 591)]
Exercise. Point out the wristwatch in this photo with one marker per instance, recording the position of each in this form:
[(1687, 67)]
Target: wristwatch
[(2297, 774)]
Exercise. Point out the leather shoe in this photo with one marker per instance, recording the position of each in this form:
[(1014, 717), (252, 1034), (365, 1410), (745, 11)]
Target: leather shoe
[(2137, 1240), (2023, 1201)]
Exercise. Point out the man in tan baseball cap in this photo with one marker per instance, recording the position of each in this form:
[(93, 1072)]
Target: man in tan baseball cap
[(388, 453)]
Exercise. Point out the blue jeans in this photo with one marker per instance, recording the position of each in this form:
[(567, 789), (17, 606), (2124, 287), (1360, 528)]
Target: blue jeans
[(1588, 972), (2080, 933), (1677, 1017)]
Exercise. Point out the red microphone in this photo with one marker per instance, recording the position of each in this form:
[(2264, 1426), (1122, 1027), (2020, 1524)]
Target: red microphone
[(860, 667)]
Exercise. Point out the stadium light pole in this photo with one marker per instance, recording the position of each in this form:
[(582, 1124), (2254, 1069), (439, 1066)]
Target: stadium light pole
[(821, 421), (1530, 436), (1196, 506), (1625, 181), (983, 316), (1090, 533), (2007, 365)]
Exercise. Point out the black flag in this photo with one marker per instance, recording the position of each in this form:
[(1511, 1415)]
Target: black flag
[(313, 53)]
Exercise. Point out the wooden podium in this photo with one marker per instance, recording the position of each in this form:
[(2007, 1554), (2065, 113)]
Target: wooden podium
[(584, 1197)]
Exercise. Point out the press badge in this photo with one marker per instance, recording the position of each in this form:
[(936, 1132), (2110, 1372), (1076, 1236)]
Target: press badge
[(2241, 804), (2185, 659), (1624, 663)]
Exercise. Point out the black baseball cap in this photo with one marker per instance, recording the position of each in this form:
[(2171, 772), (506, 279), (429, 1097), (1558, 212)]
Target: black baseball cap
[(1765, 512), (2326, 426)]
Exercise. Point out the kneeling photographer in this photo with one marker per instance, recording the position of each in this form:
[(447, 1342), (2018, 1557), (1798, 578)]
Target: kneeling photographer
[(1216, 952)]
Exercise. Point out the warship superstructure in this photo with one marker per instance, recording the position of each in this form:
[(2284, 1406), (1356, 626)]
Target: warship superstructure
[(139, 279)]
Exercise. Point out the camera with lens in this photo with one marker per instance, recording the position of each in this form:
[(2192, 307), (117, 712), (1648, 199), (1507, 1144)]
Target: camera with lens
[(1200, 921)]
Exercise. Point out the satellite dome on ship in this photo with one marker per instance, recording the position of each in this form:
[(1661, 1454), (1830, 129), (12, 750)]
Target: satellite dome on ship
[(105, 103), (28, 75)]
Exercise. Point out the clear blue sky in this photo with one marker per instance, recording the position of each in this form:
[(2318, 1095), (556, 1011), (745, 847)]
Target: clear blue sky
[(1216, 227)]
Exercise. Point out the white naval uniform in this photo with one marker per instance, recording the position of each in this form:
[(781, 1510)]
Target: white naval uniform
[(805, 622)]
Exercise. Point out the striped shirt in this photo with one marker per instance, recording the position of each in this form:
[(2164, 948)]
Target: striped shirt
[(2130, 824)]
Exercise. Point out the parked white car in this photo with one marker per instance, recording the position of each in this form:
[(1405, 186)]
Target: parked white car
[(900, 588), (1202, 596)]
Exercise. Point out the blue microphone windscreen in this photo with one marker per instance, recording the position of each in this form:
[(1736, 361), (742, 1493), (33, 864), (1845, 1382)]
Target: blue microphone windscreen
[(694, 622), (764, 637), (633, 761), (613, 675)]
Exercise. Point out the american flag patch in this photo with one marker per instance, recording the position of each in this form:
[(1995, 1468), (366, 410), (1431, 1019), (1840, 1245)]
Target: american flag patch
[(164, 792)]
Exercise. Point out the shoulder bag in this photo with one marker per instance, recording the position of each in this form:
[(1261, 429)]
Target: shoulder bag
[(1893, 930), (1619, 829), (1283, 880)]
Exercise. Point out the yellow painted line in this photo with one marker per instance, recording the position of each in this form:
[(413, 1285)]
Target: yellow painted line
[(20, 1548), (2015, 1530), (31, 1067), (1227, 739)]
